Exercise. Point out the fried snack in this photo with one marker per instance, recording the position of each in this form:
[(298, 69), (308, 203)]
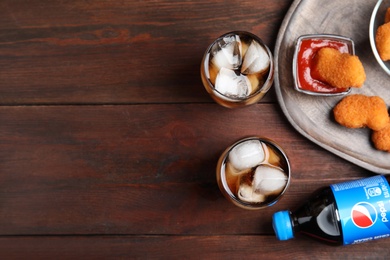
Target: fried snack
[(387, 16), (381, 139), (356, 111), (382, 39), (341, 70)]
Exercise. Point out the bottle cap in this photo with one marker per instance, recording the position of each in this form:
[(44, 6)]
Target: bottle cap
[(281, 223)]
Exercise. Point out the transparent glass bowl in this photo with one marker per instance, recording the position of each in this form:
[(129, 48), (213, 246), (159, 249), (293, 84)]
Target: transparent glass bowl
[(295, 66), (377, 19)]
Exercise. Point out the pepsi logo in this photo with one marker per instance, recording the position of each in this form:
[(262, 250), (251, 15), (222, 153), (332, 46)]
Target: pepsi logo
[(364, 215)]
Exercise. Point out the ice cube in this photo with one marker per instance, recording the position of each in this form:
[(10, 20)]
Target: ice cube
[(256, 59), (212, 73), (227, 52), (231, 170), (248, 154), (269, 180), (232, 85), (247, 194)]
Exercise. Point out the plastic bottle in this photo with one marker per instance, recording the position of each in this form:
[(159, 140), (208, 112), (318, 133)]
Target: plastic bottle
[(341, 214)]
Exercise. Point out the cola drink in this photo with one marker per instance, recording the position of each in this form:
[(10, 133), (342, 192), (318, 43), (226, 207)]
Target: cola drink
[(340, 214), (237, 69), (253, 173)]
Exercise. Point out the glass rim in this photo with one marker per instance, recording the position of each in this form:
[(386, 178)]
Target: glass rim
[(351, 47), (222, 174), (266, 82)]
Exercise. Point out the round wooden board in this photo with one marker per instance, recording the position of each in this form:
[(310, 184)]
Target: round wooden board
[(312, 116)]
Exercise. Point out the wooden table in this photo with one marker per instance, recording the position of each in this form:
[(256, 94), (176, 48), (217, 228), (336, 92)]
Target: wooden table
[(109, 142)]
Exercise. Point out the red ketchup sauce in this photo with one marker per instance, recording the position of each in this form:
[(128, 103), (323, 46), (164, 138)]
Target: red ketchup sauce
[(307, 51)]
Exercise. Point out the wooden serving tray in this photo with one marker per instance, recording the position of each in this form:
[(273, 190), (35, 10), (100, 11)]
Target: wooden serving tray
[(312, 116)]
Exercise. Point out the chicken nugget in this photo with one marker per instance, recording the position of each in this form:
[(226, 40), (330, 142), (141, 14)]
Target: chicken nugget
[(341, 70), (379, 116), (381, 139), (387, 16), (356, 111), (382, 39)]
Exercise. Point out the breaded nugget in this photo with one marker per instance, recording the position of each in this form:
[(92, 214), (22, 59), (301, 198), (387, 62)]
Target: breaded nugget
[(381, 139), (379, 115), (382, 39), (387, 16), (355, 111), (340, 70)]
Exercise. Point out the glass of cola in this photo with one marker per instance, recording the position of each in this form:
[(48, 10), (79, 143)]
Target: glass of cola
[(237, 69), (253, 173)]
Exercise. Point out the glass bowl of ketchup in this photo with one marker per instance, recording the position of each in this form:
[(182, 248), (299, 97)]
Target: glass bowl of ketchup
[(306, 48)]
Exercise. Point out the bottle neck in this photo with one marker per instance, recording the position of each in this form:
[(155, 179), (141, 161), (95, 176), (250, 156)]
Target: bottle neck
[(282, 225), (319, 218)]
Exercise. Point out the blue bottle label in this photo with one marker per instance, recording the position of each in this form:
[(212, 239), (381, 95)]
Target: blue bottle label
[(364, 209)]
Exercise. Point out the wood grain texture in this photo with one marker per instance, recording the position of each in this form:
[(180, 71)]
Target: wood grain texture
[(73, 52), (180, 247), (312, 116), (130, 170), (109, 143)]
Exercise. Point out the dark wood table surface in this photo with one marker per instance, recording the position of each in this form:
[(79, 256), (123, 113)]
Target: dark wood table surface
[(109, 142)]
